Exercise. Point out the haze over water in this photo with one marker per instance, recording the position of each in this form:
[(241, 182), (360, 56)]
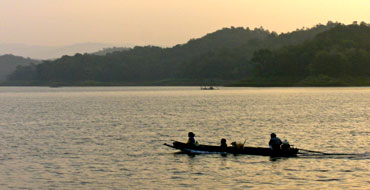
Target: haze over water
[(112, 137)]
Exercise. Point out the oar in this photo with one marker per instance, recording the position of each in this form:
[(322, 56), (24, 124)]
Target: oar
[(244, 142), (324, 153), (168, 145), (313, 151)]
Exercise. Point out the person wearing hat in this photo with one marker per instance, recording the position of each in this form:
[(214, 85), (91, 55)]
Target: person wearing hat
[(274, 142), (191, 140), (223, 143)]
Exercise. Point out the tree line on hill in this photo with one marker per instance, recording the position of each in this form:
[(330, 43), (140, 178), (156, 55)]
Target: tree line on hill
[(9, 63), (337, 56), (237, 56)]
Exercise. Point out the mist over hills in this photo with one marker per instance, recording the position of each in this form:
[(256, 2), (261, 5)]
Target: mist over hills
[(106, 51), (51, 52)]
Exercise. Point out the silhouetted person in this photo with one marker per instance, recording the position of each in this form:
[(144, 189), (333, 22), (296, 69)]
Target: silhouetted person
[(191, 140), (223, 143), (274, 142), (285, 145)]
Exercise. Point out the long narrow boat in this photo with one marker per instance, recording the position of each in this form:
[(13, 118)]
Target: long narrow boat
[(289, 152)]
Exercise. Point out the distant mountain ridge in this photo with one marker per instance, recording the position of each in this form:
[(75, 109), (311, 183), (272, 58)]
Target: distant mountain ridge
[(9, 62), (224, 57), (50, 52), (105, 51)]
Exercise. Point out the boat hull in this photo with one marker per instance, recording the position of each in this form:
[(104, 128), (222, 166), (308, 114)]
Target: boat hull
[(291, 152)]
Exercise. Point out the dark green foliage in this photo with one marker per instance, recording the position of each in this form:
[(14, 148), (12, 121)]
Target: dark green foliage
[(332, 64), (342, 52), (24, 73)]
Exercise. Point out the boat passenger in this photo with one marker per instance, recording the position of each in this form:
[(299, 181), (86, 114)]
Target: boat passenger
[(274, 142), (285, 145), (191, 140), (223, 143)]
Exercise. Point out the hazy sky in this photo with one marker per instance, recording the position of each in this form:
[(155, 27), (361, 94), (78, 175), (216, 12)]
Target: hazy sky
[(161, 22)]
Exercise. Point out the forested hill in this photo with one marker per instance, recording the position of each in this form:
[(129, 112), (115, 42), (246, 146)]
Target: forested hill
[(222, 56), (231, 63), (340, 56), (9, 63)]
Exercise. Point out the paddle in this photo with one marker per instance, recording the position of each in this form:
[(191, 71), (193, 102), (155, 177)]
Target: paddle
[(313, 151), (168, 145), (324, 153), (244, 142)]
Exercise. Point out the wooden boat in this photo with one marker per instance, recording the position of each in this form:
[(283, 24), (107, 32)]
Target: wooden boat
[(202, 149)]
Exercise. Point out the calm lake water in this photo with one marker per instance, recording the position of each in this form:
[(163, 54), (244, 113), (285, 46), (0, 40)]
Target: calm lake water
[(112, 137)]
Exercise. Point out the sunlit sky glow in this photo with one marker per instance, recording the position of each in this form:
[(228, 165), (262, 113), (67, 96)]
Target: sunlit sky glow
[(161, 22)]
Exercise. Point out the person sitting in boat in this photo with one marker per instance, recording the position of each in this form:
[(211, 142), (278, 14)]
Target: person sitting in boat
[(285, 145), (191, 140), (223, 143), (274, 142)]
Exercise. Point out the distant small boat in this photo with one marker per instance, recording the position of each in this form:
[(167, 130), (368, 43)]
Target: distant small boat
[(208, 88), (289, 152)]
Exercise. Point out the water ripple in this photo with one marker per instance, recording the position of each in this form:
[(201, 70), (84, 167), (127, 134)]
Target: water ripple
[(112, 138)]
